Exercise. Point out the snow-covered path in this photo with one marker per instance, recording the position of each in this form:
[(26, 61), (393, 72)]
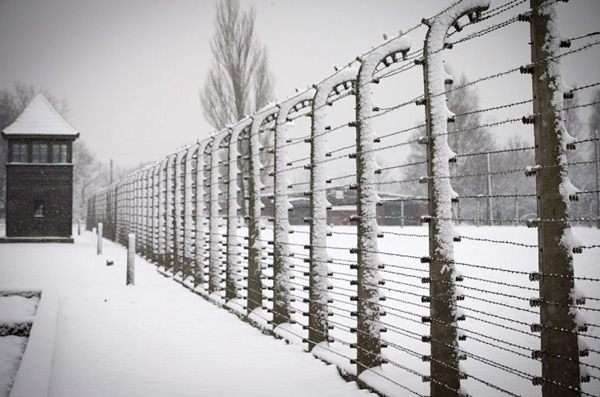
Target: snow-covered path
[(154, 339)]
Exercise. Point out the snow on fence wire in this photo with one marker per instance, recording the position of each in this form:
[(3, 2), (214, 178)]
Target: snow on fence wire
[(288, 219)]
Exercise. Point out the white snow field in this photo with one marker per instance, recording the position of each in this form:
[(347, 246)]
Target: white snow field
[(160, 339), (13, 309), (497, 290), (155, 338), (11, 350)]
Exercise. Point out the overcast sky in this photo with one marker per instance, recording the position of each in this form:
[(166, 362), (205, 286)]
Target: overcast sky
[(131, 70)]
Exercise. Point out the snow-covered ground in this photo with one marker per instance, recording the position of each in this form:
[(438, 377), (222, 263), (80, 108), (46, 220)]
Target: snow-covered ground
[(11, 350), (497, 290), (13, 309), (155, 338)]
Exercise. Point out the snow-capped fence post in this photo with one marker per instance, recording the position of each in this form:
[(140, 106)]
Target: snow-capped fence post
[(255, 295), (281, 223), (214, 277), (181, 180), (153, 200), (200, 216), (137, 206), (167, 198), (368, 263), (558, 324), (99, 239), (157, 211), (152, 197), (318, 323), (144, 209), (130, 275), (187, 214), (141, 218), (233, 272), (172, 244), (444, 360), (132, 203), (162, 214), (176, 262)]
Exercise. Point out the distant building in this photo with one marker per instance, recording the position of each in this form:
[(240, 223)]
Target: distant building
[(39, 174), (393, 210)]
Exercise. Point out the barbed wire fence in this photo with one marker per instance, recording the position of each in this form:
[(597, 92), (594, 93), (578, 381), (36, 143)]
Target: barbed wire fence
[(379, 269)]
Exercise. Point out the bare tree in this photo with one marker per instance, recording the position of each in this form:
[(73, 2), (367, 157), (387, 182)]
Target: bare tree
[(465, 136), (239, 80), (517, 189)]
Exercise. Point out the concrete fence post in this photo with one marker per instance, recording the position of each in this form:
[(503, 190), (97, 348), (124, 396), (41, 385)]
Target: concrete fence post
[(559, 340), (318, 321), (369, 265), (444, 360), (214, 271), (233, 271), (99, 239), (130, 279), (255, 205)]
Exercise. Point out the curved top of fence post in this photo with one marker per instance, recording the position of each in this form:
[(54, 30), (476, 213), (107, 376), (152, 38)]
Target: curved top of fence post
[(437, 110), (324, 88), (220, 136), (305, 98), (370, 61), (441, 23), (261, 116), (179, 155), (238, 127)]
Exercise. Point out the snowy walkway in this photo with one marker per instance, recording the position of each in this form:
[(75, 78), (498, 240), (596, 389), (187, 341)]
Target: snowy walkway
[(154, 339)]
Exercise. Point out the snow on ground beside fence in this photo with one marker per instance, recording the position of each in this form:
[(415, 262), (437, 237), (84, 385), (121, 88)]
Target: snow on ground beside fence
[(156, 338), (483, 301)]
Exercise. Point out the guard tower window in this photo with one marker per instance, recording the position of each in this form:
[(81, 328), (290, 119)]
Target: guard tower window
[(60, 153), (19, 152), (39, 209), (39, 152)]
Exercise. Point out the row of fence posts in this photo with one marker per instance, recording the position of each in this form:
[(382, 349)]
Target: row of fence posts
[(173, 209)]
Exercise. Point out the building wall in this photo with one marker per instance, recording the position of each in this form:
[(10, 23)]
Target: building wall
[(29, 184)]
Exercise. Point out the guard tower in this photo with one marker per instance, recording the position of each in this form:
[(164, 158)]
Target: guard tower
[(39, 175)]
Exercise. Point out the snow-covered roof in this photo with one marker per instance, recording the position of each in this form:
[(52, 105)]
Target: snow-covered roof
[(40, 118)]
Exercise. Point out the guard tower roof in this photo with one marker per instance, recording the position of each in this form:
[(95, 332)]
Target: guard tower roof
[(40, 118)]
